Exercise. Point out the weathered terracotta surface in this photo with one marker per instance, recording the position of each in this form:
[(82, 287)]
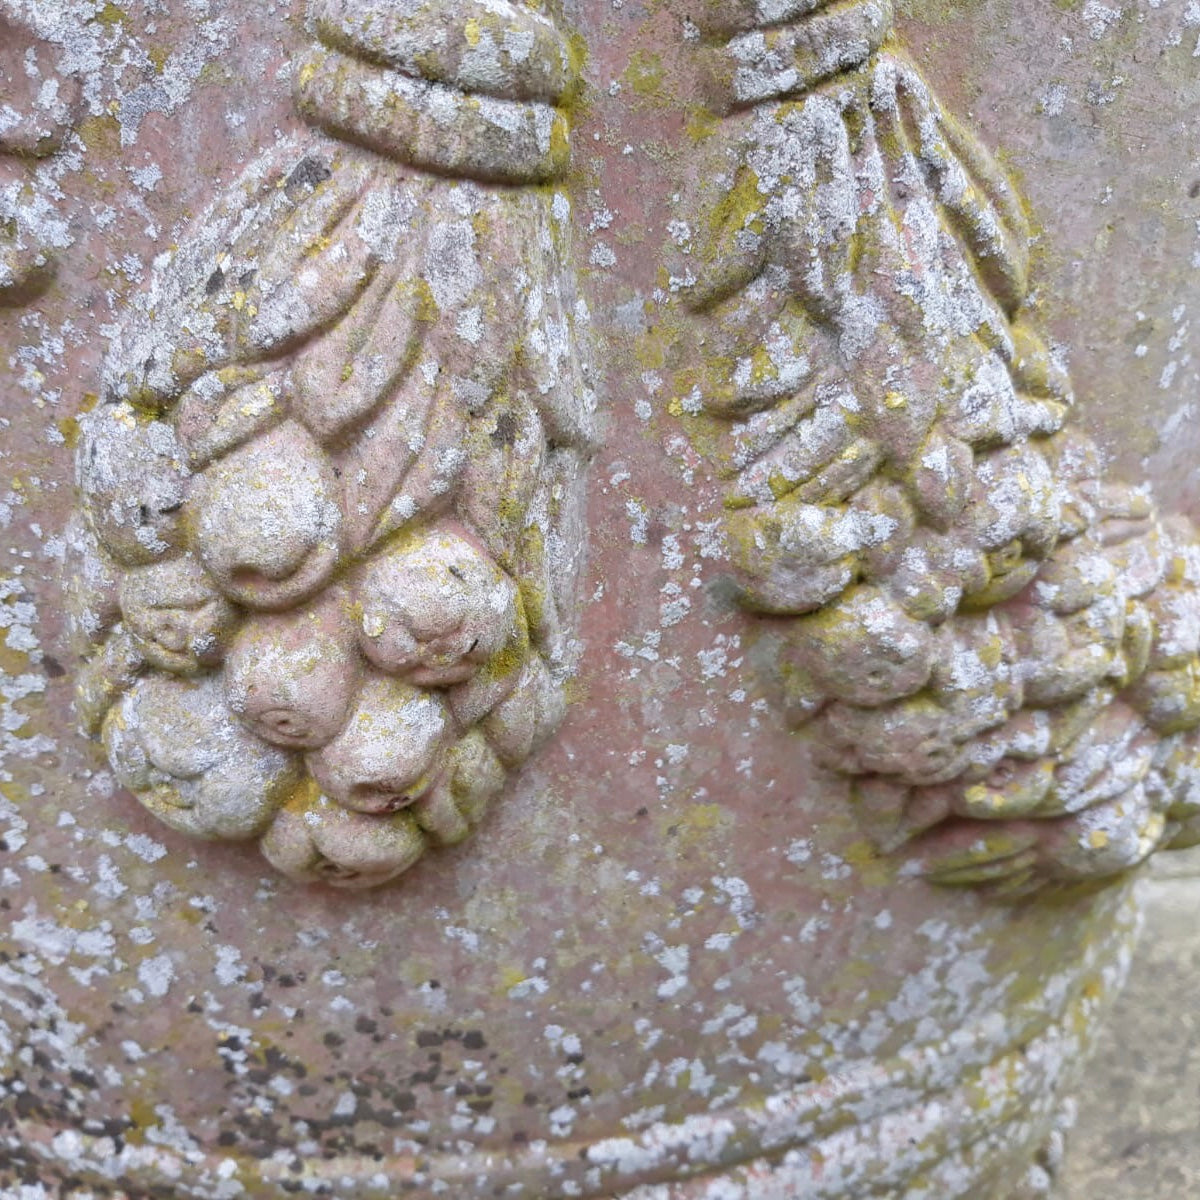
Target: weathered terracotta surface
[(996, 642), (670, 961)]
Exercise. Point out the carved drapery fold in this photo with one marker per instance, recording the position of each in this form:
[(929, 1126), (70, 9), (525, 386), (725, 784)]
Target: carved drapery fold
[(994, 642), (332, 496)]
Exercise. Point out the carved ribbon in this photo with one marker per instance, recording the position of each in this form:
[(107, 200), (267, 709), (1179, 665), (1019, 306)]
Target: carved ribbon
[(332, 511), (996, 644)]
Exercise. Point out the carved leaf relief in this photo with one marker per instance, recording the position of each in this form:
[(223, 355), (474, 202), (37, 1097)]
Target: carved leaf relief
[(326, 558), (995, 643)]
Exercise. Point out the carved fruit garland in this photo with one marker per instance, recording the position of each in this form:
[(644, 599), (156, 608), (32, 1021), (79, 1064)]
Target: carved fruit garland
[(332, 508), (997, 645)]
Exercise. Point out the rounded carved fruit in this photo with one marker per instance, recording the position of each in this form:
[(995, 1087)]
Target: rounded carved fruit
[(292, 677), (174, 744), (866, 649), (391, 750), (178, 621), (435, 610), (457, 801), (314, 840), (267, 520)]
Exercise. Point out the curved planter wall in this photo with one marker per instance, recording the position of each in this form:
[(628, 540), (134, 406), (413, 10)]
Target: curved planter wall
[(601, 602)]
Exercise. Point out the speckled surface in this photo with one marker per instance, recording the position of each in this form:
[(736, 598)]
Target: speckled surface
[(670, 948)]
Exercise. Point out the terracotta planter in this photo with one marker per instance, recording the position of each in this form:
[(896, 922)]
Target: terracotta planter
[(637, 563)]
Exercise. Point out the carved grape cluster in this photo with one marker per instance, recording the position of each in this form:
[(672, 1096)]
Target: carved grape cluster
[(330, 498), (996, 645)]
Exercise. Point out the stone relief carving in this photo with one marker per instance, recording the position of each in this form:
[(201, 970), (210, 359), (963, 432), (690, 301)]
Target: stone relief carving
[(38, 109), (332, 497), (995, 643), (332, 508)]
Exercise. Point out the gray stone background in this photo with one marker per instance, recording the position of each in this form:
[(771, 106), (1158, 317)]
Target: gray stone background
[(1138, 1133)]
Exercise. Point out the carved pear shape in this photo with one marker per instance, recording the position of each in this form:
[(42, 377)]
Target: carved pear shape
[(391, 750), (268, 525)]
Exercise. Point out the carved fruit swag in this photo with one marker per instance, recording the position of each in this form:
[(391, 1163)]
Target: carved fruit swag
[(332, 509), (996, 644)]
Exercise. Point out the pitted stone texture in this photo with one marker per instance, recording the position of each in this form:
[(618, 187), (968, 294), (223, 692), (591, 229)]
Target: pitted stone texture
[(672, 921), (41, 105), (1136, 1136)]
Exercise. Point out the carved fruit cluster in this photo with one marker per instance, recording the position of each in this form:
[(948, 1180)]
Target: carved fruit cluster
[(997, 646), (327, 551)]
